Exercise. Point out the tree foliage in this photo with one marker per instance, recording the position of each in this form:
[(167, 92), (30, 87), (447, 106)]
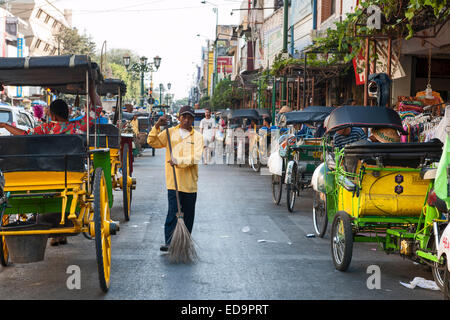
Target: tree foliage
[(226, 95), (70, 41)]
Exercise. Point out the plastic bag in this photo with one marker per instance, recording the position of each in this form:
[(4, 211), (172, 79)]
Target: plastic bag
[(275, 164)]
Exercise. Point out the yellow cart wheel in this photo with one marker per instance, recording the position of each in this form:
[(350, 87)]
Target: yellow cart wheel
[(126, 188), (102, 232), (4, 253)]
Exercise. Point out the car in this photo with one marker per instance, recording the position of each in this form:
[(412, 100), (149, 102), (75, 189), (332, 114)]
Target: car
[(199, 115), (17, 117)]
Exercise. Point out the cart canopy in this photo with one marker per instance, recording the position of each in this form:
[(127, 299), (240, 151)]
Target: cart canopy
[(112, 86), (48, 71), (363, 117), (308, 115), (245, 113)]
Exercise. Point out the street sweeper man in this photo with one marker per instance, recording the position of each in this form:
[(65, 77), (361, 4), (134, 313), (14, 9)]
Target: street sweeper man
[(187, 149)]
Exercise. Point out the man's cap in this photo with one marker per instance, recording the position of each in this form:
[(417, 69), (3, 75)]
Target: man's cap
[(187, 110)]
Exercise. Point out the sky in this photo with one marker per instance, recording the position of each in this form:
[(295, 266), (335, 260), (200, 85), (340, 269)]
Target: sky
[(167, 28)]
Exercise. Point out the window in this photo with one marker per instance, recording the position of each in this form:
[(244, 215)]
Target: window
[(37, 44), (47, 19), (39, 13), (47, 47), (328, 9), (5, 116), (53, 51), (22, 120), (55, 24)]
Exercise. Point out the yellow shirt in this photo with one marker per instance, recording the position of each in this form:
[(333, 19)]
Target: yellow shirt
[(187, 153), (135, 126)]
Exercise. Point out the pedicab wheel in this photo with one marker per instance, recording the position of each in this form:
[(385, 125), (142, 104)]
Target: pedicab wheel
[(320, 219), (277, 188), (153, 152), (341, 241), (438, 270), (4, 253), (255, 163), (126, 189), (291, 190), (446, 286), (102, 235)]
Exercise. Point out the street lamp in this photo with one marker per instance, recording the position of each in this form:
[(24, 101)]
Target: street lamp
[(141, 68)]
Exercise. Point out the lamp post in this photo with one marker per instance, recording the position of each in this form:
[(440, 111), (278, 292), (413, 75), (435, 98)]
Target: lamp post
[(216, 11), (141, 68), (169, 85), (161, 88)]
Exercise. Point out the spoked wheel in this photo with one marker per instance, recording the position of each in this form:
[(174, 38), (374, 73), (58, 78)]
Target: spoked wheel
[(320, 218), (277, 188), (341, 241), (102, 232), (4, 253), (438, 270), (446, 289), (126, 189), (291, 190), (255, 162)]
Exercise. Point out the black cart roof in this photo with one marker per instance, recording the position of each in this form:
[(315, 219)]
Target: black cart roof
[(363, 117), (48, 71), (308, 115), (245, 113), (111, 86)]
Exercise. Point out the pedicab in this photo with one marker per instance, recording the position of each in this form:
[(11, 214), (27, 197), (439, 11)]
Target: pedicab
[(304, 151), (53, 175), (145, 126), (378, 192), (240, 124), (112, 136)]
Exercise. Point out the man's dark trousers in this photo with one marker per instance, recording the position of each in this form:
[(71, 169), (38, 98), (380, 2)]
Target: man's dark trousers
[(187, 202)]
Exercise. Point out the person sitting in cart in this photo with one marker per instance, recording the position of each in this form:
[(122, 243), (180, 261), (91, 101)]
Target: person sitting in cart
[(60, 124), (348, 135)]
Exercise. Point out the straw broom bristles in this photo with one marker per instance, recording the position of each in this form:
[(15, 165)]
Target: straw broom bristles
[(182, 246)]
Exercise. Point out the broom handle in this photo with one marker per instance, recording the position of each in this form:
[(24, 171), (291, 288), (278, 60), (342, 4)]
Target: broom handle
[(174, 173)]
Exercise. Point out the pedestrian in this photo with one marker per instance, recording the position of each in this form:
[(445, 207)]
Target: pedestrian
[(207, 129), (187, 147)]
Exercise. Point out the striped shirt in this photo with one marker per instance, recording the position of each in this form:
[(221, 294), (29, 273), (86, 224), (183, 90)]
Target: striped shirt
[(356, 134)]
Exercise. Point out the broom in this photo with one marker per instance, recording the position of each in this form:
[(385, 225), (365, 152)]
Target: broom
[(181, 248)]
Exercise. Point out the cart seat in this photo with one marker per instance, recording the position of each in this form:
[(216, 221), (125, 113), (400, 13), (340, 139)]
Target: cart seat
[(42, 153), (410, 155), (107, 136)]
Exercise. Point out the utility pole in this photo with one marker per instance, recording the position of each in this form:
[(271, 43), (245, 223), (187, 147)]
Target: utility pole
[(285, 44)]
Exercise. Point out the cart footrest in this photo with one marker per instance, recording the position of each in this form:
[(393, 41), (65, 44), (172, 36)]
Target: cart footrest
[(30, 195)]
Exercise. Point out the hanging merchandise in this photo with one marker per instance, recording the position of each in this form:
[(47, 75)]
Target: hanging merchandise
[(430, 97)]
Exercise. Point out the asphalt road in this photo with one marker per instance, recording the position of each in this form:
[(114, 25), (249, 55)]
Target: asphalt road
[(249, 248)]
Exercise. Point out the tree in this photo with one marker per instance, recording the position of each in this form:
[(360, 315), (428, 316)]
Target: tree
[(71, 42), (204, 102), (226, 95)]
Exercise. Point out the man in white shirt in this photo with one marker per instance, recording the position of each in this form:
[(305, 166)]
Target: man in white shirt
[(207, 129)]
